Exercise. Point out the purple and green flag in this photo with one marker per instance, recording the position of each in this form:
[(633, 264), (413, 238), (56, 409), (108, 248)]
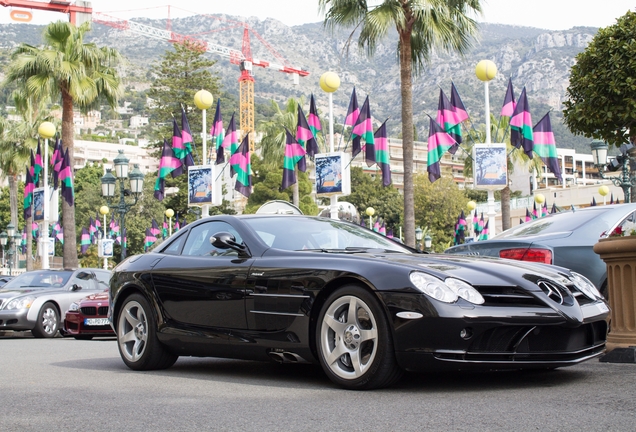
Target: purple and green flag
[(240, 163), (545, 145), (186, 140), (58, 232), (29, 187), (231, 141), (168, 164), (216, 131), (38, 165), (484, 232), (85, 241), (66, 178), (35, 230), (313, 120), (56, 162), (353, 112), (509, 104), (554, 208), (165, 228), (528, 215), (304, 135), (177, 225), (92, 230), (154, 228), (438, 143), (149, 240), (382, 155), (363, 130), (457, 104), (294, 153), (521, 125)]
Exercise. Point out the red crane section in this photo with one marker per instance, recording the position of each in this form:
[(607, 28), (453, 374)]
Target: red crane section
[(78, 12)]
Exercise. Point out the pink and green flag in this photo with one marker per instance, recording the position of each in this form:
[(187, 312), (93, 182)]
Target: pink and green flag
[(165, 227), (294, 153), (154, 228), (545, 145), (56, 162), (240, 163), (168, 164), (231, 141), (149, 240), (521, 125), (35, 230), (448, 119), (382, 155), (353, 112), (458, 105), (38, 165), (484, 232), (217, 134), (85, 241), (438, 143), (363, 131), (509, 103), (29, 187), (92, 230), (313, 119), (66, 179)]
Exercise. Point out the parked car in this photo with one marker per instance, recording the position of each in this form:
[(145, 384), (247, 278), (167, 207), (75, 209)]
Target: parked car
[(565, 239), (88, 317), (36, 300), (308, 289)]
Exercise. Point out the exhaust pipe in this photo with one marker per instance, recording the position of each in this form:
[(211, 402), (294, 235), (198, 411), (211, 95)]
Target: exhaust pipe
[(286, 357)]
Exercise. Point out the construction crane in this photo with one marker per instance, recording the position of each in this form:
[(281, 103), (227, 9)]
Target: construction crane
[(78, 12), (242, 58)]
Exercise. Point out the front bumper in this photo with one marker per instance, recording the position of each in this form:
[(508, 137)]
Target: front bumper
[(74, 326), (464, 336), (15, 320)]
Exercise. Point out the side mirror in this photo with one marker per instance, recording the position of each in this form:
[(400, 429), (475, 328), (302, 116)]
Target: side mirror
[(76, 287), (225, 240)]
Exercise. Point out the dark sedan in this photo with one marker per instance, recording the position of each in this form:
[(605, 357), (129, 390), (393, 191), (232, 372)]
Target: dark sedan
[(304, 289), (565, 239)]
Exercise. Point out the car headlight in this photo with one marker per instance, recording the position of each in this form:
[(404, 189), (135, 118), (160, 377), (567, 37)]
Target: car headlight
[(433, 287), (20, 303), (74, 307), (464, 290), (585, 286)]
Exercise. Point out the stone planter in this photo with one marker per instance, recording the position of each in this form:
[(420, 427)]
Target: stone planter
[(619, 254)]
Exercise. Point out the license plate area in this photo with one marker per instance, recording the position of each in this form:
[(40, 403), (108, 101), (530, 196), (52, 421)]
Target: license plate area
[(96, 321)]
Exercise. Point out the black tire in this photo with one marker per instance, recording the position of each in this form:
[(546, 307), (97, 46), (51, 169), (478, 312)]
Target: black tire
[(83, 337), (356, 349), (48, 322), (137, 336)]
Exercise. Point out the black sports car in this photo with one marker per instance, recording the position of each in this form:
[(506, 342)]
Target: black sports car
[(307, 289)]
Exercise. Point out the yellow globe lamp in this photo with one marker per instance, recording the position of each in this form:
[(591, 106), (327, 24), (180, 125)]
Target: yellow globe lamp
[(471, 205), (370, 211), (329, 82), (103, 210), (486, 70), (603, 190), (203, 99), (169, 213), (539, 198), (46, 130)]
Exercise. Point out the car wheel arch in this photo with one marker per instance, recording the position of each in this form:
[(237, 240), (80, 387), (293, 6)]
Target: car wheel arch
[(322, 297), (126, 292)]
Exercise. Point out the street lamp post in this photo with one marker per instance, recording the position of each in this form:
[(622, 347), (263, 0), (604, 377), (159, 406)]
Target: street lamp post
[(624, 180), (169, 213), (427, 243), (109, 181), (10, 238), (329, 83), (103, 210), (46, 131), (418, 237), (203, 100)]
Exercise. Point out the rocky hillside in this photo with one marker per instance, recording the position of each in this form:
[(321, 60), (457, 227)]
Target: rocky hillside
[(535, 58)]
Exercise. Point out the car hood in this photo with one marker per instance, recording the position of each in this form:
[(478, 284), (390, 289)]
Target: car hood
[(14, 292), (481, 270), (97, 297)]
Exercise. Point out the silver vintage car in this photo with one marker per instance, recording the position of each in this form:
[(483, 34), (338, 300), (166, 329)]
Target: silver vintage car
[(38, 300)]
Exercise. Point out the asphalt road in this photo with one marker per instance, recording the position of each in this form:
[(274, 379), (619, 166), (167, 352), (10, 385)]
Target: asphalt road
[(64, 384)]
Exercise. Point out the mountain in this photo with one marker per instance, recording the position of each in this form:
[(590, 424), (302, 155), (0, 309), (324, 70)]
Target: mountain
[(538, 59)]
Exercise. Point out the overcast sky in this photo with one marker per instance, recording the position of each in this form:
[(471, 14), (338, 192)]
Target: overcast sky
[(548, 14)]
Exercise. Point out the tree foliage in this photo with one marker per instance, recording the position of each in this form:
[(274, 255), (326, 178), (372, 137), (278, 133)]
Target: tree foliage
[(601, 97)]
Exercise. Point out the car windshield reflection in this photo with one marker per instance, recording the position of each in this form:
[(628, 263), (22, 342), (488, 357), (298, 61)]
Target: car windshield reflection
[(321, 235), (44, 279)]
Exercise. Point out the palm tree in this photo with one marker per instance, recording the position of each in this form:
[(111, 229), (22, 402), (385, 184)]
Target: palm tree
[(79, 73), (422, 27), (273, 142)]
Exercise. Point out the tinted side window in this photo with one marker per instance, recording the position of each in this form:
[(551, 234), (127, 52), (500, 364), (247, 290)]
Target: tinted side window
[(198, 243), (175, 247)]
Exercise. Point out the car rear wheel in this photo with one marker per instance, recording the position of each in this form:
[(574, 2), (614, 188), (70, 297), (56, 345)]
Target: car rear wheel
[(354, 342), (137, 337), (48, 322)]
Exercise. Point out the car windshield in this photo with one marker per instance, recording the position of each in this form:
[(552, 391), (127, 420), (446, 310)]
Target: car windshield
[(557, 223), (39, 279), (325, 235)]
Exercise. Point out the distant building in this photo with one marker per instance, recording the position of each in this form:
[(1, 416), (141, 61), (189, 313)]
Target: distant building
[(137, 122)]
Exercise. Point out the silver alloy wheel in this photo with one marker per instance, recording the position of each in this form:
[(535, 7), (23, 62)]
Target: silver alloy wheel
[(132, 331), (349, 337), (49, 321)]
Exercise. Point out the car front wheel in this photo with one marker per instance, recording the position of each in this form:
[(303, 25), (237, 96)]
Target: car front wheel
[(354, 341), (48, 322), (137, 337)]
